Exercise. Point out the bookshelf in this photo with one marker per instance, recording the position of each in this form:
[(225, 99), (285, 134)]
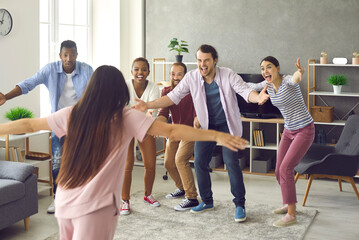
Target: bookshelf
[(271, 129)]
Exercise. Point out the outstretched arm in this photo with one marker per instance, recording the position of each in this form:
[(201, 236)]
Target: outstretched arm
[(26, 125), (260, 98), (161, 102), (297, 76), (183, 132), (13, 93)]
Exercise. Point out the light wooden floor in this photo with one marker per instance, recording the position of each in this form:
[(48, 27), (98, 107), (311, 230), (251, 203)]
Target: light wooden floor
[(338, 216)]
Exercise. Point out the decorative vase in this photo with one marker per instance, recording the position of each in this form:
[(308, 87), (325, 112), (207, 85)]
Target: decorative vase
[(179, 58), (323, 60), (337, 89), (355, 61)]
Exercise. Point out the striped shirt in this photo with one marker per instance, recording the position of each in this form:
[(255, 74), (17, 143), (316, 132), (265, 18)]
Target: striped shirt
[(289, 100)]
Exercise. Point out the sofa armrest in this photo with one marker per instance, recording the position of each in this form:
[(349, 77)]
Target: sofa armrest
[(15, 170)]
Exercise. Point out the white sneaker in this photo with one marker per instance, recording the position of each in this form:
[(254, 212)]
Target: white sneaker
[(51, 208)]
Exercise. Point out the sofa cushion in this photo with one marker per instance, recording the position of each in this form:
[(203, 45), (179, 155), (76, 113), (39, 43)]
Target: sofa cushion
[(15, 170), (11, 190)]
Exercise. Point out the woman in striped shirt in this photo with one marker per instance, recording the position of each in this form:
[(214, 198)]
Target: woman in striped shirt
[(298, 134)]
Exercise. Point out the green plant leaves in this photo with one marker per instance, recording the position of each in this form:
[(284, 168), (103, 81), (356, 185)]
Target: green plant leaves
[(179, 47), (337, 79), (18, 113)]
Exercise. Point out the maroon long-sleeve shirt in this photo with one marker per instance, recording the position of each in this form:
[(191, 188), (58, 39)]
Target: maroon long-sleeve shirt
[(183, 113)]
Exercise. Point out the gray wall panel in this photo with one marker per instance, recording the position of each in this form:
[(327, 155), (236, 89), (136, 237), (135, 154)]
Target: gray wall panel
[(245, 31)]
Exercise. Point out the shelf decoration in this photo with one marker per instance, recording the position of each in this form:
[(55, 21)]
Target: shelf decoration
[(323, 58), (322, 113), (340, 61), (337, 81), (355, 59), (179, 47)]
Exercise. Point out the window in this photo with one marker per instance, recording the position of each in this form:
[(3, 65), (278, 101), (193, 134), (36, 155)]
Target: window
[(62, 20)]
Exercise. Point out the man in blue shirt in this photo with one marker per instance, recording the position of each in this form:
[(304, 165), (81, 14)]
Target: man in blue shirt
[(66, 81)]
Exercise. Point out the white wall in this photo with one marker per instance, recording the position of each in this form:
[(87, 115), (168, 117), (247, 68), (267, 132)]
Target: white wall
[(132, 33), (19, 53), (118, 38), (106, 33), (118, 33), (20, 59)]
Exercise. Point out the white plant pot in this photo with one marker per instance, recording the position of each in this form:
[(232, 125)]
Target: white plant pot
[(337, 89)]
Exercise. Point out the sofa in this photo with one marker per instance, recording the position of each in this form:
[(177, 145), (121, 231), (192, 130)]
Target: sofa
[(18, 193)]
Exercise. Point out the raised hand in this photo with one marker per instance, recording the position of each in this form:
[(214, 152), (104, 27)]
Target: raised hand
[(299, 66), (297, 76)]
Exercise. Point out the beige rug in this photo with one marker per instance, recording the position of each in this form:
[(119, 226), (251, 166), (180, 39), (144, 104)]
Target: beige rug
[(163, 222)]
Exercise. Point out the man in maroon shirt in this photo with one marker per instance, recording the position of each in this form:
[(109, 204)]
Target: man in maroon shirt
[(178, 153)]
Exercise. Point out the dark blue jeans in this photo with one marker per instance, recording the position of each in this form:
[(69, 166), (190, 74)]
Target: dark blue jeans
[(203, 153), (56, 145)]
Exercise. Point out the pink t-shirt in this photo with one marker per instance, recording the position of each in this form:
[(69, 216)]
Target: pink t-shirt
[(105, 188)]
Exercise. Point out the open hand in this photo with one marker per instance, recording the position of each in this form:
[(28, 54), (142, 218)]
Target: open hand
[(232, 142), (141, 105), (299, 67), (263, 96)]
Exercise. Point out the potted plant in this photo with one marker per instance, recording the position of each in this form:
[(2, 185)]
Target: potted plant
[(179, 47), (18, 113), (337, 81)]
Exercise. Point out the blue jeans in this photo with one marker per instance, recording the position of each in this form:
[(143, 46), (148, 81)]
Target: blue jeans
[(56, 145), (203, 154)]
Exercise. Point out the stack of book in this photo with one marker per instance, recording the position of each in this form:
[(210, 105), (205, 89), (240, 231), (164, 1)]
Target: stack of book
[(258, 137), (15, 154)]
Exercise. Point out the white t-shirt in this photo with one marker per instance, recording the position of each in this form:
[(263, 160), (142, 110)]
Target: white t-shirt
[(68, 96), (151, 93)]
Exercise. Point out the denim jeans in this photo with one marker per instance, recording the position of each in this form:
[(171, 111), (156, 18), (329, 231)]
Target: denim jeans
[(56, 145), (203, 154)]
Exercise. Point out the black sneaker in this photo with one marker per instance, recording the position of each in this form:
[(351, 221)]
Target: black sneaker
[(176, 194), (187, 204)]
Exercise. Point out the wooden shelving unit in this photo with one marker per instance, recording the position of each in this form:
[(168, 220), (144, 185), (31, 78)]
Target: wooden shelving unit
[(271, 144), (314, 91)]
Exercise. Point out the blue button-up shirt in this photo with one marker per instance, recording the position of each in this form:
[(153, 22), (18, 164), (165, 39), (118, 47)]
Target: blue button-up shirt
[(53, 77)]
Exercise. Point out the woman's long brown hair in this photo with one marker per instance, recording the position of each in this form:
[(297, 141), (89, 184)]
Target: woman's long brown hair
[(87, 141)]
